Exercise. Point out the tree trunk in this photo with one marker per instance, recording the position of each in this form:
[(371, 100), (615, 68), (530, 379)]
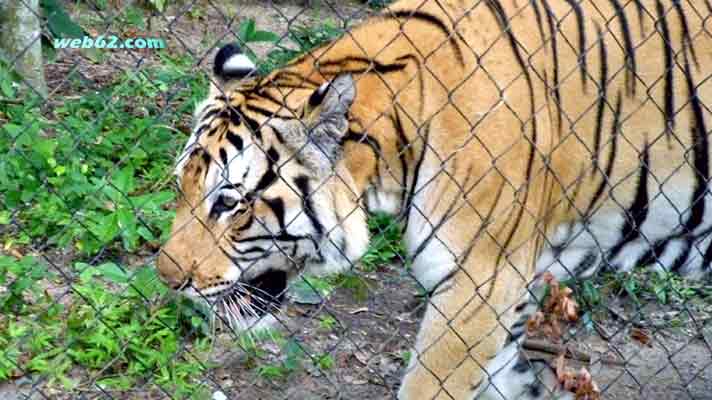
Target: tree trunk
[(21, 42)]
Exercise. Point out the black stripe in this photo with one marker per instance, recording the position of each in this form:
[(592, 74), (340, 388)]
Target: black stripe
[(302, 183), (372, 143), (371, 65), (223, 156), (210, 113), (273, 155), (265, 112), (537, 14), (235, 140), (602, 96), (403, 144), (700, 153), (682, 257), (278, 135), (581, 40), (611, 156), (277, 206), (638, 211), (202, 128), (260, 110), (553, 30), (669, 79), (267, 180), (253, 249), (577, 189), (253, 125), (421, 80), (246, 225), (653, 254), (416, 172), (205, 156), (234, 116), (632, 69), (294, 75), (284, 237), (686, 38), (213, 130), (587, 262), (260, 93), (432, 20), (700, 149), (503, 19), (363, 138), (641, 12), (707, 257)]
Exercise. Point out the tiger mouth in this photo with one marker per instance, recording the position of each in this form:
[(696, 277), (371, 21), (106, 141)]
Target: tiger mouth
[(246, 302)]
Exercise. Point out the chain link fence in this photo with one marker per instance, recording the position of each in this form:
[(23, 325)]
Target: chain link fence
[(88, 196)]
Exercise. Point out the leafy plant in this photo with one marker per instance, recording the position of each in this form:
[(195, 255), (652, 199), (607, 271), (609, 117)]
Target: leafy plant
[(324, 362), (94, 178), (386, 242), (118, 327), (20, 279), (305, 38), (310, 290), (247, 32), (328, 323)]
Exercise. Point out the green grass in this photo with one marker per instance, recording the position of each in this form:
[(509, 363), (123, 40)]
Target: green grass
[(386, 245), (86, 183), (638, 288)]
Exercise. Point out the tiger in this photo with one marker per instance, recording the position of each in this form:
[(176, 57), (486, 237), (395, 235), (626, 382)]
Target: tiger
[(509, 137)]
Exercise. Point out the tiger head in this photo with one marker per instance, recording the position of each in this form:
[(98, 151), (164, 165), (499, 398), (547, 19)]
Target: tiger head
[(261, 197)]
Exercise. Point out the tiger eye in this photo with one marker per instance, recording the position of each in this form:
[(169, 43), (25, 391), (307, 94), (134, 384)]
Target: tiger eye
[(228, 201)]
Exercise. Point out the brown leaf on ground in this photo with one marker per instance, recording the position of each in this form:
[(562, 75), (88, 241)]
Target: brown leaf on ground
[(560, 306), (641, 336), (581, 384), (534, 323)]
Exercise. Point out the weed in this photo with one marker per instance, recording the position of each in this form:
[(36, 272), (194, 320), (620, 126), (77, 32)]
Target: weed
[(272, 371), (324, 362), (405, 357), (386, 242), (328, 323), (357, 285)]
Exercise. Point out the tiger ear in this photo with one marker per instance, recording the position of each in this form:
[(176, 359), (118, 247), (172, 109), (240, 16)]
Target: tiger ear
[(232, 63), (326, 119)]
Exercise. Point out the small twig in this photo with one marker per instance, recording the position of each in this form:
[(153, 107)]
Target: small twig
[(555, 349)]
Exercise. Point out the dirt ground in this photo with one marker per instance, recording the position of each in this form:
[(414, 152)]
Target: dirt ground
[(372, 336), (376, 332)]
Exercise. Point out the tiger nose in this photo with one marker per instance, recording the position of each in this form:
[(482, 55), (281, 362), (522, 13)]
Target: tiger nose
[(171, 272)]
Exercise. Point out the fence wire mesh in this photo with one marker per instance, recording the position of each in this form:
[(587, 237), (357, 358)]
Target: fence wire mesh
[(546, 219)]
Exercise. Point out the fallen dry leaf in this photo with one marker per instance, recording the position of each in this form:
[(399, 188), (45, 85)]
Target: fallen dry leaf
[(581, 384), (641, 336), (559, 306)]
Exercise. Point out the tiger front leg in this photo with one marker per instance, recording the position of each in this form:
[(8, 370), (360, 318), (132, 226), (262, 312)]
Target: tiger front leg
[(468, 345), (460, 333)]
